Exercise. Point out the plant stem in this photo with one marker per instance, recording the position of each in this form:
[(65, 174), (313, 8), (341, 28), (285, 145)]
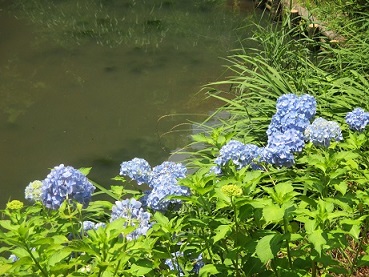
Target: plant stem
[(285, 221), (313, 269)]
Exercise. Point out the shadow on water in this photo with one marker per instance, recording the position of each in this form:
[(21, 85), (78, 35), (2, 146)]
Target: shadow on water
[(85, 82)]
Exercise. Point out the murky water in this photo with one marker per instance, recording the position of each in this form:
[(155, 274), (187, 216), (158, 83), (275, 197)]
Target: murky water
[(94, 83)]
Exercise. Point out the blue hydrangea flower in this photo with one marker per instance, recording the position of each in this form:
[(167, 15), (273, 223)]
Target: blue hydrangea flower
[(137, 169), (65, 183), (157, 199), (99, 225), (13, 258), (88, 225), (173, 263), (292, 139), (357, 119), (33, 191), (279, 155), (131, 210), (167, 174), (240, 154), (304, 104), (322, 131), (293, 112)]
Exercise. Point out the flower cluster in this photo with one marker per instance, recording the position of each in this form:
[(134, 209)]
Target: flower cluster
[(137, 169), (14, 205), (166, 174), (293, 112), (162, 179), (357, 119), (240, 154), (289, 129), (131, 210), (158, 200), (173, 263), (231, 190), (322, 131), (33, 191), (278, 155), (65, 183), (89, 225)]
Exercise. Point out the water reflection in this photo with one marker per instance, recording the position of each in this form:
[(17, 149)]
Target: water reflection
[(85, 82)]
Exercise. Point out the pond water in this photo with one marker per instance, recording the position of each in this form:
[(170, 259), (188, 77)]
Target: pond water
[(93, 83)]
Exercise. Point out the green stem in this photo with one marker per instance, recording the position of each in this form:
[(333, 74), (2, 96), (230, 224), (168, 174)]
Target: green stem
[(313, 269), (285, 221), (354, 260), (236, 238), (44, 273)]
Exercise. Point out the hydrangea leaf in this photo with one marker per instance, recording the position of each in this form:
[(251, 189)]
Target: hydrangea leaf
[(273, 213), (268, 247), (318, 240), (221, 232), (208, 270)]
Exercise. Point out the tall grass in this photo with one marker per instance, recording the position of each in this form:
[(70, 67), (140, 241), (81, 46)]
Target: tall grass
[(280, 63)]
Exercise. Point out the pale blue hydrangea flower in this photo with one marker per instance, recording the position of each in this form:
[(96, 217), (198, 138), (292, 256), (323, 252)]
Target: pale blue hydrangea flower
[(137, 169), (157, 198), (13, 258), (322, 131), (65, 183), (167, 174), (279, 155), (88, 225), (292, 139), (33, 191), (131, 210), (357, 119), (173, 263), (99, 225), (240, 154)]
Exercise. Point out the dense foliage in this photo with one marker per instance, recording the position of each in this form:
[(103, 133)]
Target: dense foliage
[(279, 187)]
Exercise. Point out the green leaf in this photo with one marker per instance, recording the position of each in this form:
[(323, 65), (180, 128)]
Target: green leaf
[(283, 188), (273, 213), (140, 268), (317, 239), (85, 170), (59, 256), (268, 247), (208, 269), (160, 218), (341, 187), (6, 224), (221, 232)]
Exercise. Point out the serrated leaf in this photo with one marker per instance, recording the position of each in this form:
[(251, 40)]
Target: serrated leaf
[(317, 239), (283, 188), (268, 247), (221, 232), (273, 213)]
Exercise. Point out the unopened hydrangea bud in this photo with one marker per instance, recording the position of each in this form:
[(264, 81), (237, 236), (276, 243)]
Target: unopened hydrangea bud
[(14, 205), (231, 190)]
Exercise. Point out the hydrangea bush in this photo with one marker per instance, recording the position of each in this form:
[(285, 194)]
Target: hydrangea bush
[(288, 206)]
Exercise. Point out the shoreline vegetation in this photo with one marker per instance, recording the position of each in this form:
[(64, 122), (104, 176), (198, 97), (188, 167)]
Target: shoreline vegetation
[(279, 187)]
